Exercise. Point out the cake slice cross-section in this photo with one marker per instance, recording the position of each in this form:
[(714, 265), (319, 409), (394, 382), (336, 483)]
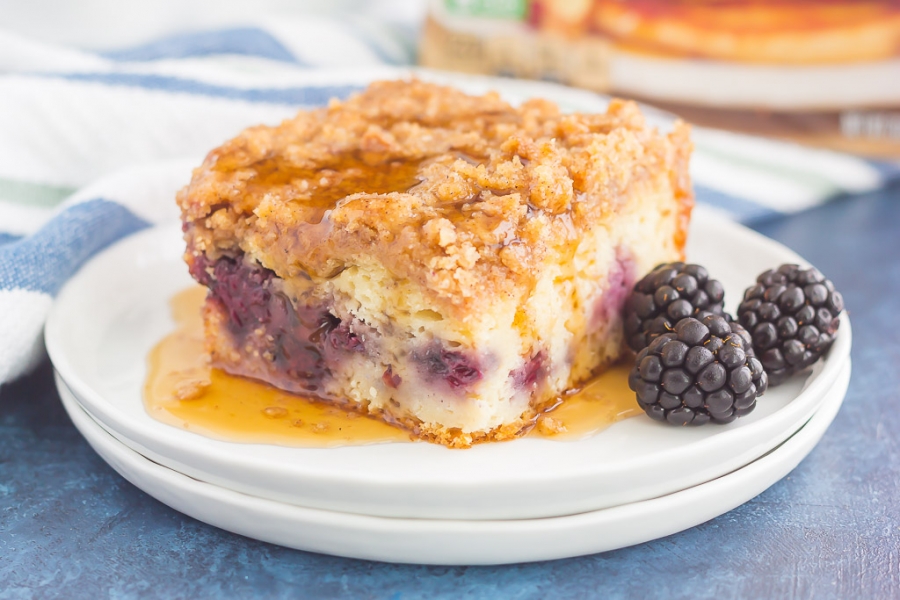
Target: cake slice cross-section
[(448, 263)]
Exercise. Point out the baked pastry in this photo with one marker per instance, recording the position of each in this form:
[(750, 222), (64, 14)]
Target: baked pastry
[(789, 32), (445, 262)]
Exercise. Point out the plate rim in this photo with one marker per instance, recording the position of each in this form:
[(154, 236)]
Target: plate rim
[(568, 528)]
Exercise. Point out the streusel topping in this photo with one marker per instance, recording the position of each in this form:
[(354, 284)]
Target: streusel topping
[(464, 195)]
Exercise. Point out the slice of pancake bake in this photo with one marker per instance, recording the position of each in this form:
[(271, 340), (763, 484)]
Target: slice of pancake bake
[(448, 263)]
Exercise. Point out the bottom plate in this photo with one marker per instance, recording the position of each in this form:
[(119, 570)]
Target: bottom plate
[(458, 542)]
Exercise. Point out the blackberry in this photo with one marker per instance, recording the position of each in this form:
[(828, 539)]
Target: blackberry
[(702, 371), (669, 293), (792, 314)]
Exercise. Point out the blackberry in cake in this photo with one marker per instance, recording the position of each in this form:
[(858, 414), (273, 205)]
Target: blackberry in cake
[(448, 263)]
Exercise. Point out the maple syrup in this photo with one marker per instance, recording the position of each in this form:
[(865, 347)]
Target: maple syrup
[(183, 390), (324, 185), (598, 404)]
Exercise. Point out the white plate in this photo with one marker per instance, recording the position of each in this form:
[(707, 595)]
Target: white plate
[(427, 541), (115, 309)]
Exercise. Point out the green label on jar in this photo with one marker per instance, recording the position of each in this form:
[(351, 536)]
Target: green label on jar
[(498, 9)]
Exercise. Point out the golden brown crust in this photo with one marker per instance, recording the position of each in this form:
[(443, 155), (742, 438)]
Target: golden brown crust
[(453, 437), (465, 196)]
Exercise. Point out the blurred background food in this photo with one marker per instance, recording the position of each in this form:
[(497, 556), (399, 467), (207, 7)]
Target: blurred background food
[(821, 72)]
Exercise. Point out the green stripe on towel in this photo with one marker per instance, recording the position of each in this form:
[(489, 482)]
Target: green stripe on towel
[(818, 185), (39, 195)]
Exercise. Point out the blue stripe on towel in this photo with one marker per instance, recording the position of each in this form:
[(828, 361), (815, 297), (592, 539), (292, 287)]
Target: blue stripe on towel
[(245, 41), (740, 209), (44, 261), (305, 96), (6, 238)]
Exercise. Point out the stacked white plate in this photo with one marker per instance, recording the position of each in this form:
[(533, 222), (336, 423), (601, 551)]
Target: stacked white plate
[(530, 499), (525, 500)]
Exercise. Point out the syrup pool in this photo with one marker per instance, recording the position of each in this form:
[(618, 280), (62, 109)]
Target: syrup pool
[(184, 391)]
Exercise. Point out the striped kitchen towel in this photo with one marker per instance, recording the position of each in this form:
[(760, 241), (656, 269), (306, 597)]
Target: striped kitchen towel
[(75, 126)]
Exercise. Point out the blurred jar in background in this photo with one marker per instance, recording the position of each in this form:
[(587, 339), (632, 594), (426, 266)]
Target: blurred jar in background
[(822, 72)]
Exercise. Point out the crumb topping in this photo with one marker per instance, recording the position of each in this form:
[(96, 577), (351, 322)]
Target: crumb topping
[(464, 195)]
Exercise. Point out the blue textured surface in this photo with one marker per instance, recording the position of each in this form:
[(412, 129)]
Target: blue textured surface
[(71, 527)]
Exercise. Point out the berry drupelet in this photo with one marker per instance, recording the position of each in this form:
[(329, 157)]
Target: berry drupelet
[(792, 315), (702, 371), (669, 293)]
